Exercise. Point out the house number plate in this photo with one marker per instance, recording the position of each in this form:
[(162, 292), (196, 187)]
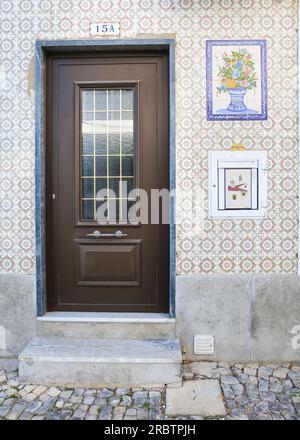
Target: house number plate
[(103, 29)]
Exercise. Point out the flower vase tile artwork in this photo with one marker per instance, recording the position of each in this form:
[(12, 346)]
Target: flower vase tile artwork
[(236, 80)]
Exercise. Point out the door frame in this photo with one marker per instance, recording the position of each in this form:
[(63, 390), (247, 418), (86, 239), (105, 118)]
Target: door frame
[(44, 47)]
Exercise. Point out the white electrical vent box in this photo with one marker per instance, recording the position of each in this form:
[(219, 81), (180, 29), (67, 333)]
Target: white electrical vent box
[(204, 344), (237, 184)]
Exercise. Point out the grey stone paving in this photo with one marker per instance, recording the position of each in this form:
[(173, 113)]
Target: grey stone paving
[(196, 397), (250, 391)]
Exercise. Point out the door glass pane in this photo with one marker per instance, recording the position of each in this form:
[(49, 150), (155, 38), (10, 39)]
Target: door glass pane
[(100, 99), (87, 187), (88, 209), (87, 166), (114, 143), (100, 143), (127, 165), (107, 151), (101, 166), (114, 100), (114, 165), (87, 143), (88, 101)]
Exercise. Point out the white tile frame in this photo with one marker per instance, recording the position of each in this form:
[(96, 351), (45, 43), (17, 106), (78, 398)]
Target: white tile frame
[(237, 159)]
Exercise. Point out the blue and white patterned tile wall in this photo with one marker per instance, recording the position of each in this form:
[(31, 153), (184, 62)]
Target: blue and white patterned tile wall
[(203, 245)]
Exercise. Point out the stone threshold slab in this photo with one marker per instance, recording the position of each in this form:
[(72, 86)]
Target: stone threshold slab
[(107, 317)]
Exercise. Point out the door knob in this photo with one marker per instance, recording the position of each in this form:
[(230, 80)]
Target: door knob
[(98, 234)]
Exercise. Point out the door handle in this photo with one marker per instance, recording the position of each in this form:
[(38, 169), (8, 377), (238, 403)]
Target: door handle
[(98, 234)]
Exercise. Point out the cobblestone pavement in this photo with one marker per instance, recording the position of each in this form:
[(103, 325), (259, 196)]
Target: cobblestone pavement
[(250, 392)]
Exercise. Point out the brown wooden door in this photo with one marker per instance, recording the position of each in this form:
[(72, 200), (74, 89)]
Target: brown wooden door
[(107, 121)]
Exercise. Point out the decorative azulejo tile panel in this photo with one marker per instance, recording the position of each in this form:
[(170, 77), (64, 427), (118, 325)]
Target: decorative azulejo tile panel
[(203, 245)]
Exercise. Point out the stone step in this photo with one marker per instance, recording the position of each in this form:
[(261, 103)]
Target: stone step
[(101, 362), (106, 325)]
